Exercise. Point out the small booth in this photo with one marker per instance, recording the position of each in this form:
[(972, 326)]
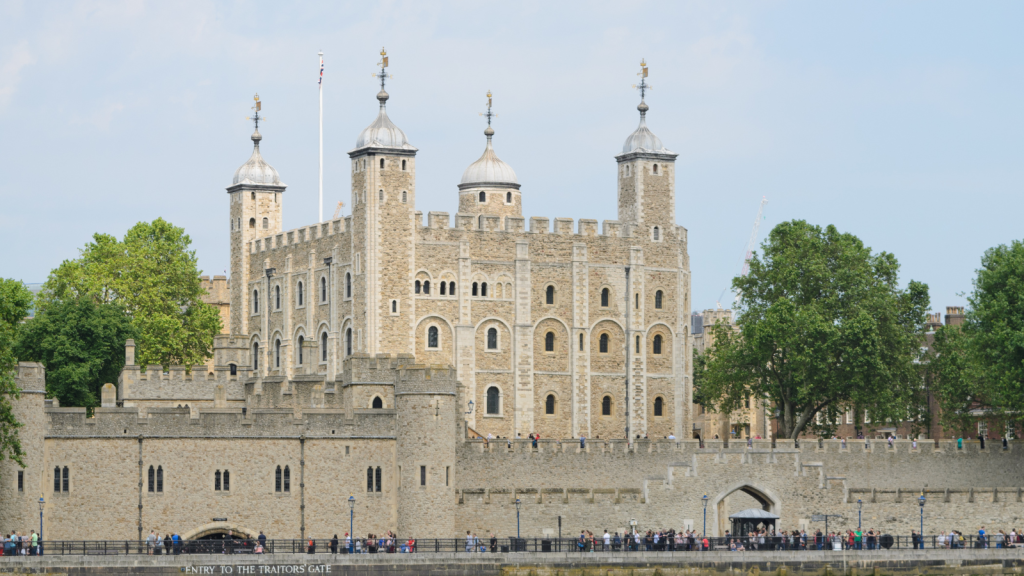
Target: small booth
[(752, 520)]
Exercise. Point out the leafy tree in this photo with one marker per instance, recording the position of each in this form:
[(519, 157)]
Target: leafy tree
[(81, 343), (153, 276), (980, 365), (15, 302), (824, 327)]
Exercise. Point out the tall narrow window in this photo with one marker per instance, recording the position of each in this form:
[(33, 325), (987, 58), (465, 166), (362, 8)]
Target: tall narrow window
[(301, 340), (323, 289), (266, 224), (549, 342), (426, 286), (151, 484), (405, 196), (581, 341), (493, 400), (443, 286), (287, 479), (657, 343), (348, 342), (382, 164), (657, 299), (256, 356), (403, 164), (216, 480), (483, 289), (21, 480), (323, 347), (606, 406), (655, 168), (508, 197), (637, 298), (299, 294), (659, 406), (483, 196), (423, 475), (657, 234), (550, 295), (255, 301), (380, 195), (159, 478), (348, 285), (277, 353), (233, 369), (416, 287), (277, 297), (604, 298), (604, 343), (637, 347), (451, 288), (492, 338), (474, 288), (549, 404), (227, 480), (56, 479), (376, 479), (432, 337), (67, 480), (378, 404), (394, 306), (369, 479), (277, 479)]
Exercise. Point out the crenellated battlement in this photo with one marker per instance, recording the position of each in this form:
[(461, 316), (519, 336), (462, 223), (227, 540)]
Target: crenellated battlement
[(518, 224), (302, 235)]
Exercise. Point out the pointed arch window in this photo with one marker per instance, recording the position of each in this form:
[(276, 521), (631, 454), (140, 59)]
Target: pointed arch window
[(605, 294), (301, 340), (658, 297), (323, 347), (606, 406), (549, 404), (432, 337), (604, 343), (549, 296), (378, 404), (299, 294), (549, 342), (492, 338)]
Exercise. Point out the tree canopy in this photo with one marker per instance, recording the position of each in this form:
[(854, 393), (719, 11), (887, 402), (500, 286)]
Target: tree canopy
[(823, 328), (81, 343), (153, 276), (15, 302), (979, 366)]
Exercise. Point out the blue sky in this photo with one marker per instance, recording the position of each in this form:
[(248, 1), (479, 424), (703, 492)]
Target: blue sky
[(900, 122)]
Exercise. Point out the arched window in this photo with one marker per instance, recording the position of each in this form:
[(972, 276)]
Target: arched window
[(159, 478), (659, 406), (549, 342), (657, 343), (581, 341), (323, 347), (266, 224), (443, 286), (508, 197), (277, 297), (56, 479), (657, 299), (655, 168), (376, 474), (605, 293), (483, 196), (657, 234), (483, 289), (549, 404), (323, 289), (426, 286), (256, 356), (637, 347), (382, 164), (299, 294), (432, 337), (604, 343), (216, 480), (278, 479), (637, 298), (233, 369), (493, 400), (348, 285), (405, 196), (451, 288), (227, 480), (277, 353), (255, 301), (348, 342), (369, 479), (380, 194), (152, 479), (287, 479), (417, 286), (252, 195), (301, 340), (606, 406), (394, 306), (378, 404), (550, 295), (492, 338), (474, 288), (403, 164), (252, 222)]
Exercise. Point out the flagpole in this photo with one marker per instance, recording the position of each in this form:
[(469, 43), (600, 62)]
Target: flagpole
[(321, 90)]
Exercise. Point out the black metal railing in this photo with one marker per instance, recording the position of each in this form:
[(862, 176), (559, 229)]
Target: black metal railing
[(508, 544)]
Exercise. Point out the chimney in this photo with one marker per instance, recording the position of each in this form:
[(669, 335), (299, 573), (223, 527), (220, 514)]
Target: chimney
[(954, 315), (129, 353)]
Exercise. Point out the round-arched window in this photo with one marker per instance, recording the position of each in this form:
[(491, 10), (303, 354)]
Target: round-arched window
[(493, 400), (549, 404)]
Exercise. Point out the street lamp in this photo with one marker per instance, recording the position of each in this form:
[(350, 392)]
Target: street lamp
[(470, 407), (920, 502), (860, 504), (41, 504), (518, 505), (704, 500), (632, 533), (351, 522)]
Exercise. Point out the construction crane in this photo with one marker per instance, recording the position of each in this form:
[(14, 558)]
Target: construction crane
[(337, 210), (749, 253)]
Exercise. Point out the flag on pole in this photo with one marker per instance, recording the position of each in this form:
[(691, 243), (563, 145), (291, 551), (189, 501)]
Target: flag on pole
[(321, 80)]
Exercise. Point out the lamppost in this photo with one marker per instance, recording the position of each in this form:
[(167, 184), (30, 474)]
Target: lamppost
[(860, 504), (518, 504), (632, 533), (351, 522), (704, 500), (920, 502), (41, 504)]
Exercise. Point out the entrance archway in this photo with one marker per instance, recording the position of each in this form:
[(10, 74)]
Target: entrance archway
[(219, 531), (767, 499)]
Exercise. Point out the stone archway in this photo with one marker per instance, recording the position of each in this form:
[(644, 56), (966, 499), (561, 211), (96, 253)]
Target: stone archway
[(220, 528), (720, 518)]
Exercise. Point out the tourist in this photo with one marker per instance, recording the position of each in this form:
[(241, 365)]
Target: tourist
[(469, 541), (262, 539), (33, 544), (334, 544), (167, 544), (311, 548), (149, 541), (494, 542), (982, 542), (607, 541), (583, 443)]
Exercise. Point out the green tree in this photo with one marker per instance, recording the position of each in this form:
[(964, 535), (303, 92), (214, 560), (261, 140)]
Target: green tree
[(15, 302), (980, 365), (824, 327), (81, 344), (153, 276)]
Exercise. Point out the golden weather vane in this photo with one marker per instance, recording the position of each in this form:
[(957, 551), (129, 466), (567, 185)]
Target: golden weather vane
[(383, 66), (489, 114), (256, 108), (643, 86)]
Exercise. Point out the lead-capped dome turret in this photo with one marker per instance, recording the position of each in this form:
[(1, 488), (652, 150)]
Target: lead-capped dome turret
[(383, 133), (489, 169), (256, 170)]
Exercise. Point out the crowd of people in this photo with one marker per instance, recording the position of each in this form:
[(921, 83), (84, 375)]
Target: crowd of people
[(15, 544)]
